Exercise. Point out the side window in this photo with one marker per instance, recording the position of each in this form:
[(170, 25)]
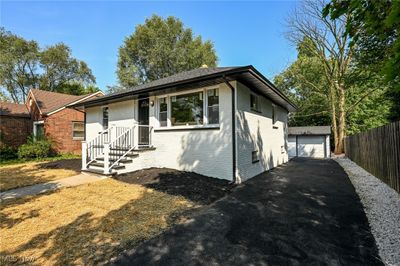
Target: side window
[(105, 117), (254, 103), (78, 130), (39, 131), (255, 156), (274, 114), (163, 111), (213, 106)]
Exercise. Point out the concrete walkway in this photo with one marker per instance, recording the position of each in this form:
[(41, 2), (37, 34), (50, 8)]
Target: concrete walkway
[(303, 213), (52, 185)]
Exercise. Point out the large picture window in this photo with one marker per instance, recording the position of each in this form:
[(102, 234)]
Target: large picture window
[(213, 106), (78, 130), (163, 111), (187, 109)]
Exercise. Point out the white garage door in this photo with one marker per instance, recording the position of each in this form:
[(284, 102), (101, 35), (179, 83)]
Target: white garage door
[(311, 146), (292, 146)]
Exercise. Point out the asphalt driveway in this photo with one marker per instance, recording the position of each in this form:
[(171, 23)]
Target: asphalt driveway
[(303, 213)]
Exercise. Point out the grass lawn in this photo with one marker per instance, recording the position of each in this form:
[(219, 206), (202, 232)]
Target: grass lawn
[(86, 224), (29, 173)]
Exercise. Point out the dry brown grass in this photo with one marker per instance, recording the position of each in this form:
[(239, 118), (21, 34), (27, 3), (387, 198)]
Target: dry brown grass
[(27, 174), (85, 224)]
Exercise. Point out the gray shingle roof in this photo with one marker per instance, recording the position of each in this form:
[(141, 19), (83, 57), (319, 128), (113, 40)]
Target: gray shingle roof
[(182, 76), (312, 130), (196, 76)]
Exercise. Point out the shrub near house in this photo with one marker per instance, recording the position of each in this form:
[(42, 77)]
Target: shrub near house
[(35, 149), (44, 113)]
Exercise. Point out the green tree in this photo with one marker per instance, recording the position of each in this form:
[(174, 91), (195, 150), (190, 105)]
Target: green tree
[(61, 69), (23, 65), (305, 84), (374, 27), (159, 48), (18, 65), (326, 44)]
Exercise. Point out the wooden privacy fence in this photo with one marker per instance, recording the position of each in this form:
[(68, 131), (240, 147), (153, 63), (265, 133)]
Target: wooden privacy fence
[(378, 151)]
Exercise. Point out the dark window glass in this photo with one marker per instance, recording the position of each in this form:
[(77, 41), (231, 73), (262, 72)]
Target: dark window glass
[(187, 109), (163, 112), (254, 104), (213, 106), (105, 117), (39, 131), (254, 156), (78, 130), (273, 114)]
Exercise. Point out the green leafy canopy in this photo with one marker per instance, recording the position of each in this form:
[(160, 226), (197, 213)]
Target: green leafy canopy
[(24, 65), (160, 48)]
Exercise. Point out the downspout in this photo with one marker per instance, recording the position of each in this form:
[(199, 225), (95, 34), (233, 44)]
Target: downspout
[(84, 124), (234, 178)]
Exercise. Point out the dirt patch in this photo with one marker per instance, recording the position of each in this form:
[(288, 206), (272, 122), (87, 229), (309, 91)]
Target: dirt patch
[(87, 224), (26, 174), (194, 187), (67, 164)]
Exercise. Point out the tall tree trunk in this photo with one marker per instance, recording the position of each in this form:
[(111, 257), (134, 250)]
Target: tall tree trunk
[(342, 120), (332, 99)]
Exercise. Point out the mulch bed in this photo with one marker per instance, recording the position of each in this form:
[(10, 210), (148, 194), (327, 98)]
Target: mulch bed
[(67, 164), (195, 187)]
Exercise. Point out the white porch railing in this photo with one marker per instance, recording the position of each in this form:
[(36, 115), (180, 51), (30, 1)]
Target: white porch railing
[(115, 144)]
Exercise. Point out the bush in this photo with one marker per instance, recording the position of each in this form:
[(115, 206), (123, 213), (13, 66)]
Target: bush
[(35, 149), (7, 153)]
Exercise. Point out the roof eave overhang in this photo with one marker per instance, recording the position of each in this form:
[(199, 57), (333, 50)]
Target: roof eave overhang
[(215, 78)]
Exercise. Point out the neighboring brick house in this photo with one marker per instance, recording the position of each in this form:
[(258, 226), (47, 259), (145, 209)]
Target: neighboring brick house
[(15, 124), (48, 116)]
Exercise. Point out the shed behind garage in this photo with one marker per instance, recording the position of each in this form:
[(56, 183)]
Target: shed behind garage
[(310, 141)]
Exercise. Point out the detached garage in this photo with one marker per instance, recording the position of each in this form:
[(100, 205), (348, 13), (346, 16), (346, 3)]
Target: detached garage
[(309, 142)]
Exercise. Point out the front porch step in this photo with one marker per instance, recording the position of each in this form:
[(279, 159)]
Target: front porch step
[(112, 161), (144, 148), (131, 155), (101, 165), (98, 172), (97, 146)]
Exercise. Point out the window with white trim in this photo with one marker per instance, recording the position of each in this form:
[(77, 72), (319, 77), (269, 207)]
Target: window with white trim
[(38, 130), (274, 114), (163, 111), (187, 109), (194, 108), (105, 117), (212, 106), (78, 130), (254, 103), (254, 156)]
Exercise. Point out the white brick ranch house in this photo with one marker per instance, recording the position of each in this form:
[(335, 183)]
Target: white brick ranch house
[(223, 122)]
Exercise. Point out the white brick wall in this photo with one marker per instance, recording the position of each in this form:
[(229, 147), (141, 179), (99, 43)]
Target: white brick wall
[(255, 132), (93, 122), (207, 151)]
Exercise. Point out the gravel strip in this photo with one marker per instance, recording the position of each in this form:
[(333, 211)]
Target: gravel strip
[(382, 207)]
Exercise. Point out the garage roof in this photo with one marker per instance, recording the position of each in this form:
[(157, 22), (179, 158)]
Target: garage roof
[(312, 130)]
